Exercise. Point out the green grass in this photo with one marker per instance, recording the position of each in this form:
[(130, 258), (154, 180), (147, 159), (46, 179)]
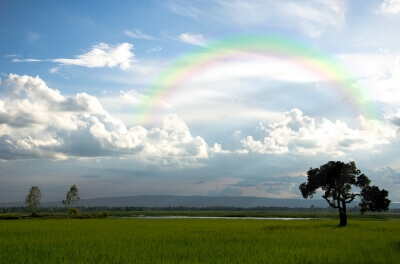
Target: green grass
[(197, 241)]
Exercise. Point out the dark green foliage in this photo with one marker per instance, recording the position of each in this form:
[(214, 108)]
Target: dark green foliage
[(72, 196), (10, 217), (374, 199), (74, 211), (336, 180)]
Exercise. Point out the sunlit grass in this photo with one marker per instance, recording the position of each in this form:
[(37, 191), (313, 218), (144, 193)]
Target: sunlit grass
[(197, 241)]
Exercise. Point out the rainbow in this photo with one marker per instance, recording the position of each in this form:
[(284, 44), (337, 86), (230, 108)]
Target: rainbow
[(300, 52)]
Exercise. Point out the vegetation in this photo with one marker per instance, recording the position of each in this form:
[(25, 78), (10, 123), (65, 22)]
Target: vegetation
[(336, 179), (74, 211), (72, 196), (33, 198), (325, 215), (197, 241)]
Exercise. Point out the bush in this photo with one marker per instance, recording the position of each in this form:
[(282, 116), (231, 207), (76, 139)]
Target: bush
[(102, 214), (9, 217), (105, 214), (74, 211)]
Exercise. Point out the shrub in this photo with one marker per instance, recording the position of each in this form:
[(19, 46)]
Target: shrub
[(74, 211)]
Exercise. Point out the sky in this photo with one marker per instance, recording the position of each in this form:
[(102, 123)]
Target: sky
[(212, 97)]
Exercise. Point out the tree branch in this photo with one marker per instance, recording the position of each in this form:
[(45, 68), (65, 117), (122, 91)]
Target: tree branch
[(352, 197), (330, 203)]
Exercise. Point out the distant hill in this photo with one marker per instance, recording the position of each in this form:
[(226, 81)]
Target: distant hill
[(190, 201), (198, 201)]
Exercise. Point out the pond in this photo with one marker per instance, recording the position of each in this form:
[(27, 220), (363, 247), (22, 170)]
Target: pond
[(215, 217)]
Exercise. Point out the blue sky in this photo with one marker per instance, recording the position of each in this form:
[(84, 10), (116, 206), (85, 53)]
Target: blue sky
[(74, 73)]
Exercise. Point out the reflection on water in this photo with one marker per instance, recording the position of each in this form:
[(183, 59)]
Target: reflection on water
[(215, 217)]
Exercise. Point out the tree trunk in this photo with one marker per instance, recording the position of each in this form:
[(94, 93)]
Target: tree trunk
[(343, 214), (343, 219)]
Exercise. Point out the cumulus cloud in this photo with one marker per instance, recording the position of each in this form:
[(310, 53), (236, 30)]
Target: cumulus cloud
[(300, 134), (390, 7), (217, 148), (101, 55), (193, 39), (39, 122)]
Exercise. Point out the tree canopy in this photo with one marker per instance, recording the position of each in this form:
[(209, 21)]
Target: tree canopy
[(336, 180), (72, 196), (33, 198)]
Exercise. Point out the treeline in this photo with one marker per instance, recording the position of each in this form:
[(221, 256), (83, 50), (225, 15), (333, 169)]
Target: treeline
[(22, 209)]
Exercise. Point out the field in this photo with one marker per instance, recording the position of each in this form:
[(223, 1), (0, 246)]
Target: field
[(116, 240)]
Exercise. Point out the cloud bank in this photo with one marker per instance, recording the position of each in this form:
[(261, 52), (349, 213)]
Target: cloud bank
[(39, 122), (300, 134)]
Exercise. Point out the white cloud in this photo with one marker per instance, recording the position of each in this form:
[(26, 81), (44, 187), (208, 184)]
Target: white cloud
[(381, 78), (300, 134), (326, 12), (311, 17), (256, 66), (217, 148), (26, 60), (55, 69), (193, 39), (130, 97), (315, 16), (101, 55), (390, 7), (155, 49), (39, 122), (188, 11), (172, 122), (138, 34)]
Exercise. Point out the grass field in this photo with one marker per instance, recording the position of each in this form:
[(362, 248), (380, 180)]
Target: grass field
[(197, 241)]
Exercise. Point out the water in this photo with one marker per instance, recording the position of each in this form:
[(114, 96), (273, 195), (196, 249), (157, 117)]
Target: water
[(215, 217)]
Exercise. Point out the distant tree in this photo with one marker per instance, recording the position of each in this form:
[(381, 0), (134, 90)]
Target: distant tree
[(336, 179), (72, 196), (33, 198)]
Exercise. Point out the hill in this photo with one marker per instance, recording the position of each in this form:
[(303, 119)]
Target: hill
[(187, 201)]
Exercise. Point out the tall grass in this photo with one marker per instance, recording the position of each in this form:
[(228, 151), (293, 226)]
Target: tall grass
[(197, 241)]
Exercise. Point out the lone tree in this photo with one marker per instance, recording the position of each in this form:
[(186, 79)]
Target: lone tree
[(336, 179), (72, 196), (33, 198)]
